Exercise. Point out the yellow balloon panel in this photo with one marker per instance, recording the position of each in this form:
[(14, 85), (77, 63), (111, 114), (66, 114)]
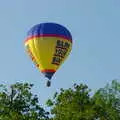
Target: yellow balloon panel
[(48, 53)]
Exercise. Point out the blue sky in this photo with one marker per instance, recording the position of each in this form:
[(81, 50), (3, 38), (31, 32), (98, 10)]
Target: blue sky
[(95, 57)]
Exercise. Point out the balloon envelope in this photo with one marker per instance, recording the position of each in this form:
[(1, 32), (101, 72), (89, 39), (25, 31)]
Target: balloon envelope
[(48, 45)]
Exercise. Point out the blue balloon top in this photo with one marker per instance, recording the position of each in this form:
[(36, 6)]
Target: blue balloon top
[(49, 29)]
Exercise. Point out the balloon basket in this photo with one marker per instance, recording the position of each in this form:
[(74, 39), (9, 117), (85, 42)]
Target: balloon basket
[(48, 83)]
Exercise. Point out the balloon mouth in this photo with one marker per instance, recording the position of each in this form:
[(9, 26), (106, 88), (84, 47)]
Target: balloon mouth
[(48, 73)]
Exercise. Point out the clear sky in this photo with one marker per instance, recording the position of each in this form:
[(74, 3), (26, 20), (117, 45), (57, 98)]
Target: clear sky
[(95, 57)]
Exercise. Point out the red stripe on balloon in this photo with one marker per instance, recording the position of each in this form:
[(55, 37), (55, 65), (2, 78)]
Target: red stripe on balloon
[(48, 35), (48, 70)]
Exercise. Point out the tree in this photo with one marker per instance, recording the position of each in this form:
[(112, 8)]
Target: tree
[(72, 104), (77, 104), (107, 100), (18, 103)]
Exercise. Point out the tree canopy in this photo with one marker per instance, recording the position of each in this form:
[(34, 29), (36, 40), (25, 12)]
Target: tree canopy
[(77, 104), (18, 103), (107, 100)]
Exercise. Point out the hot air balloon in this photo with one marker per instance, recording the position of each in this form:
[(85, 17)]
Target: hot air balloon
[(48, 45)]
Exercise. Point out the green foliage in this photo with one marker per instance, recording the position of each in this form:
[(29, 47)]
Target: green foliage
[(18, 103), (108, 101), (77, 104), (72, 104)]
